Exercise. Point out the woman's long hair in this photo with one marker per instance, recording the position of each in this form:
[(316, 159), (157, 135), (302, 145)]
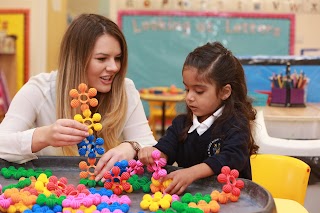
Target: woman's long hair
[(75, 53)]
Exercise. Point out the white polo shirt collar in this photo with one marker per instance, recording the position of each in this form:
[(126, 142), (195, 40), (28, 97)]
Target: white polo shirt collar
[(206, 124)]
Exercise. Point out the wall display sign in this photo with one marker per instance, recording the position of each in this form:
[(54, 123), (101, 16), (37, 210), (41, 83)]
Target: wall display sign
[(159, 41), (272, 6)]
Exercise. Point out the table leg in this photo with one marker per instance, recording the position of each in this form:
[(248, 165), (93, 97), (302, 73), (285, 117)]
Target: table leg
[(163, 120)]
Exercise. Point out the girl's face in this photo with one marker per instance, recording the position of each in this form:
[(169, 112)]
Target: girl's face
[(104, 63), (201, 96)]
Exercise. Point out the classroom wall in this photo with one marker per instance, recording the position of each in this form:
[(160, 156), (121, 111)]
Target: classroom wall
[(57, 13), (42, 55), (76, 7), (154, 58)]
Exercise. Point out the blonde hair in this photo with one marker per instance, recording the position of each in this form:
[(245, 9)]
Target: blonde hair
[(75, 52)]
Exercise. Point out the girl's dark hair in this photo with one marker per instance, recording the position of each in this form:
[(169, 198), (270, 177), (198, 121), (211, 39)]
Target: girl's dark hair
[(216, 64)]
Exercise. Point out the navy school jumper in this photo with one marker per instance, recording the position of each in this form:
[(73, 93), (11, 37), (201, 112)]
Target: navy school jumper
[(229, 148)]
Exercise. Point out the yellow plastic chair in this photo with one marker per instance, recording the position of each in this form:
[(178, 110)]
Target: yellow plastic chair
[(286, 205), (155, 113), (283, 176)]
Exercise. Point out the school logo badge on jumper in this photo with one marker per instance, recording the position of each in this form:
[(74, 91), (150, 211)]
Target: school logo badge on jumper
[(214, 147)]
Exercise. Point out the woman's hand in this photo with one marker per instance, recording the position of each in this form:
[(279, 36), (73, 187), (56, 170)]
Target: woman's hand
[(63, 132), (123, 151), (181, 179)]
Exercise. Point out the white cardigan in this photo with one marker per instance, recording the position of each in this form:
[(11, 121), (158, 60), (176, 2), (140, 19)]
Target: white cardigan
[(35, 105)]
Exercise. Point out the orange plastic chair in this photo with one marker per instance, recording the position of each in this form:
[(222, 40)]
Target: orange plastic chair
[(155, 114), (283, 176)]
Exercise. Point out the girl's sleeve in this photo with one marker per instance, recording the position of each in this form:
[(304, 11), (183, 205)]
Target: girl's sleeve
[(136, 127), (233, 152), (17, 127), (168, 143)]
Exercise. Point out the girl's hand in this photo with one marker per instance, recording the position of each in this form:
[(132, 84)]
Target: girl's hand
[(181, 179), (63, 132), (145, 155), (123, 151)]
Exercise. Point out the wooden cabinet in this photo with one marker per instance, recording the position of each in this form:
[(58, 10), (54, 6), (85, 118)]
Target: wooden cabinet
[(8, 65), (8, 69), (8, 62)]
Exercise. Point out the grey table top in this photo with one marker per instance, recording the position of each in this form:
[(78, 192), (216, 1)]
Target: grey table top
[(253, 199)]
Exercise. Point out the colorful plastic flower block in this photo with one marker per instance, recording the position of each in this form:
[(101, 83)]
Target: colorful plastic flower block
[(17, 173), (140, 183), (229, 177), (123, 165), (51, 201), (90, 146), (88, 169), (83, 98), (116, 182), (211, 207), (124, 199), (158, 185), (158, 200), (61, 187), (92, 123), (156, 167), (135, 167)]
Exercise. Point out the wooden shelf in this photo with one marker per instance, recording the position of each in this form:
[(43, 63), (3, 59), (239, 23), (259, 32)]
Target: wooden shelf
[(7, 53), (8, 65)]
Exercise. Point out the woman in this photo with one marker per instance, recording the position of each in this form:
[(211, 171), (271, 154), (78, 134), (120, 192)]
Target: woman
[(93, 51)]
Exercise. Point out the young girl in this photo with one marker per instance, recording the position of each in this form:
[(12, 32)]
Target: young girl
[(216, 130)]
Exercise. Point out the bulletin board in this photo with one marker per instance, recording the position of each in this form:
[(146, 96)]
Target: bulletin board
[(159, 41), (16, 22)]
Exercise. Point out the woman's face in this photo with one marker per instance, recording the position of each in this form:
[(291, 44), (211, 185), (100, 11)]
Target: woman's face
[(104, 63)]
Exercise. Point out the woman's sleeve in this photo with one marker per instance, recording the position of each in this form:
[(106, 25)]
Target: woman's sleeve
[(136, 127), (16, 129)]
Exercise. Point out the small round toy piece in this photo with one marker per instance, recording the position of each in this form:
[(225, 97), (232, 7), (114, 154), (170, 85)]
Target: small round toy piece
[(175, 197), (215, 195), (166, 183), (223, 198), (233, 198), (164, 203), (154, 206), (144, 204)]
